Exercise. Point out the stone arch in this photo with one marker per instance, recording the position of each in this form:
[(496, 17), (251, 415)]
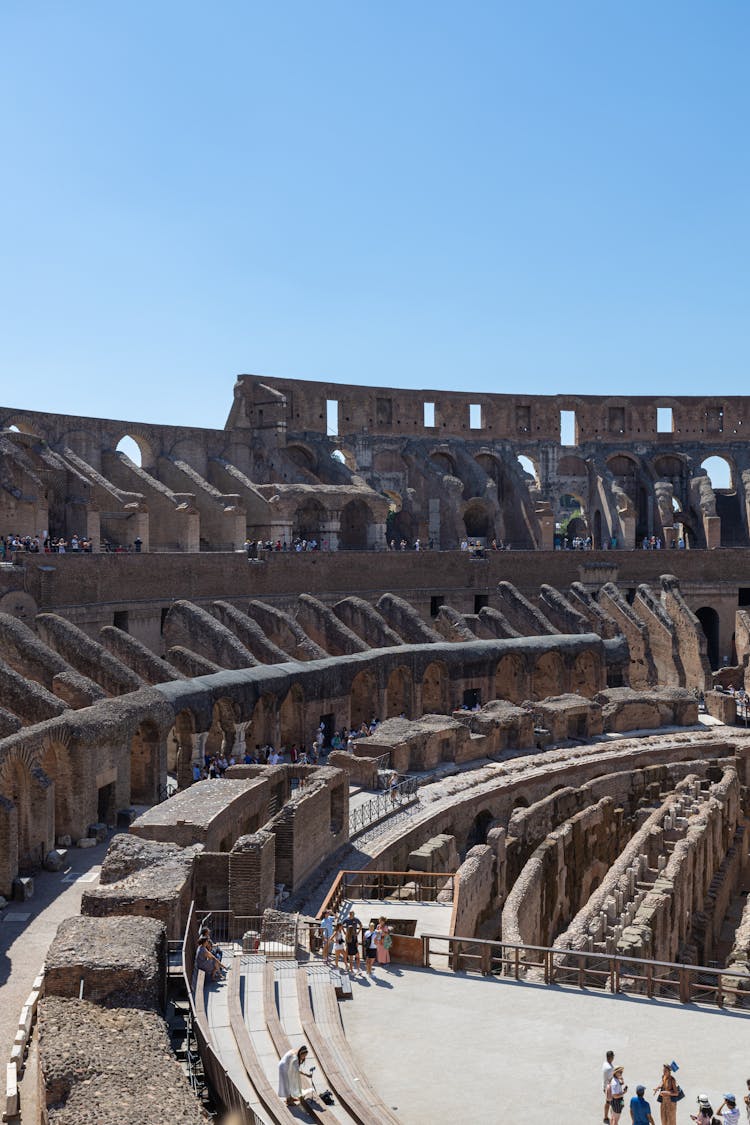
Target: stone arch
[(399, 693), (345, 457), (308, 519), (364, 699), (511, 679), (357, 521), (292, 717), (28, 820), (479, 829), (584, 675), (520, 802), (548, 677), (145, 763), (529, 467), (404, 526), (56, 763), (435, 695), (301, 456), (443, 462), (264, 725), (720, 471), (572, 466), (137, 447)]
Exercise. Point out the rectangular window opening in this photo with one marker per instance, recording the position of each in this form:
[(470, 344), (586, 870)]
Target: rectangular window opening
[(567, 427), (435, 603), (664, 421), (480, 601), (332, 417), (120, 620), (429, 414), (475, 416)]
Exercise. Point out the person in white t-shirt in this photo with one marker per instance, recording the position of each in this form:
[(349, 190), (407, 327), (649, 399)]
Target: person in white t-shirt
[(728, 1112), (608, 1069), (616, 1095)]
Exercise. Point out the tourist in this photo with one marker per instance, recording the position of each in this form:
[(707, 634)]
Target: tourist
[(728, 1111), (746, 1099), (667, 1095), (608, 1069), (383, 942), (616, 1095), (212, 948), (205, 960), (339, 945), (326, 932), (393, 788), (369, 946), (705, 1114), (640, 1110), (352, 945), (290, 1069)]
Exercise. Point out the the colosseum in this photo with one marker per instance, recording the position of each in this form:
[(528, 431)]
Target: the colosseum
[(549, 810)]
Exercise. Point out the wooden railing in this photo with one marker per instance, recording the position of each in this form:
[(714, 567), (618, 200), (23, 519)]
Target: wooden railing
[(274, 938), (384, 805), (424, 886), (219, 1080), (605, 971)]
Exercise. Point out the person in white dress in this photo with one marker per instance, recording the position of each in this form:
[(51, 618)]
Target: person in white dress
[(290, 1073)]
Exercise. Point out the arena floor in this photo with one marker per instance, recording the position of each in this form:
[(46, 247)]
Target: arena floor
[(444, 1048)]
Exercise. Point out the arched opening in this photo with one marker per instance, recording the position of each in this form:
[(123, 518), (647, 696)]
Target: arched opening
[(56, 764), (584, 677), (529, 469), (356, 523), (308, 520), (477, 521), (30, 822), (398, 696), (709, 620), (144, 765), (263, 725), (479, 829), (548, 677), (292, 717), (363, 699), (301, 457), (345, 457), (598, 541), (435, 699), (520, 802), (719, 472), (13, 430), (136, 449), (511, 681), (444, 463), (403, 527)]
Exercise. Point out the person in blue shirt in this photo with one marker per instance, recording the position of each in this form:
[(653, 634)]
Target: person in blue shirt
[(640, 1110)]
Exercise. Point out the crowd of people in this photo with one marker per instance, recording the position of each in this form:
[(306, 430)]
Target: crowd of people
[(215, 765), (43, 544), (347, 941), (668, 1094)]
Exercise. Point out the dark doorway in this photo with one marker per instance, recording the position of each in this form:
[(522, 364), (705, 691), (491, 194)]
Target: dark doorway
[(709, 620), (120, 620), (480, 601), (328, 723), (106, 804), (435, 603), (472, 698)]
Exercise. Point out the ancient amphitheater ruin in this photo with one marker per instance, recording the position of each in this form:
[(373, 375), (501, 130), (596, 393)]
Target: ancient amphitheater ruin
[(563, 731)]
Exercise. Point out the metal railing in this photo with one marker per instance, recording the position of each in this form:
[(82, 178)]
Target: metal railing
[(380, 807), (604, 971), (411, 886), (276, 938), (218, 1078)]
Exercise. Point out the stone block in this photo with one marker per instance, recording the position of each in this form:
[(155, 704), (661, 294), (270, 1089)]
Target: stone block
[(23, 888), (11, 1091), (98, 832), (86, 842), (55, 860)]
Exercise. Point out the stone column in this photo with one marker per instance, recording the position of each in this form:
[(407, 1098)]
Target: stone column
[(240, 740), (330, 530)]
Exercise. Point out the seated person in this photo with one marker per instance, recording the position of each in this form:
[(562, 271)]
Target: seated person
[(205, 960)]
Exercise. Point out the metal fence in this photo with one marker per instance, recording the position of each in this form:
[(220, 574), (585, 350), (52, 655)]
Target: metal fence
[(218, 1078), (272, 937), (380, 807), (603, 971), (410, 886)]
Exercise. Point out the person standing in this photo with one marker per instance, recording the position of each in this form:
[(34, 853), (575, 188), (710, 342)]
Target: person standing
[(728, 1112), (640, 1110), (705, 1114), (370, 946), (617, 1093), (666, 1094), (290, 1070), (608, 1069), (326, 931), (746, 1099), (383, 942)]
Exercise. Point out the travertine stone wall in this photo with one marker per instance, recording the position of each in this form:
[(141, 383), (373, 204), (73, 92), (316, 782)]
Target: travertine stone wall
[(122, 962)]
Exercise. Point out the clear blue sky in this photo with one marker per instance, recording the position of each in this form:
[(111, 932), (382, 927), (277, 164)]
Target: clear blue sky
[(547, 196)]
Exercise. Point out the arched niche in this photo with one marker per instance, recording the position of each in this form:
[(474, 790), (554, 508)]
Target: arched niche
[(399, 693), (308, 519), (263, 722), (145, 764), (511, 679), (548, 676), (364, 701), (56, 763), (357, 521), (435, 697), (584, 675), (137, 449), (292, 717)]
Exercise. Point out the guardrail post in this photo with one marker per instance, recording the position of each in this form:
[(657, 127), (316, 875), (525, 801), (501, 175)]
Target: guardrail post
[(425, 952), (485, 963), (684, 976)]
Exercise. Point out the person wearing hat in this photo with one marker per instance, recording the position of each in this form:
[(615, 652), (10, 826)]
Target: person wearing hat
[(728, 1111), (667, 1091), (705, 1114), (616, 1092), (640, 1110)]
